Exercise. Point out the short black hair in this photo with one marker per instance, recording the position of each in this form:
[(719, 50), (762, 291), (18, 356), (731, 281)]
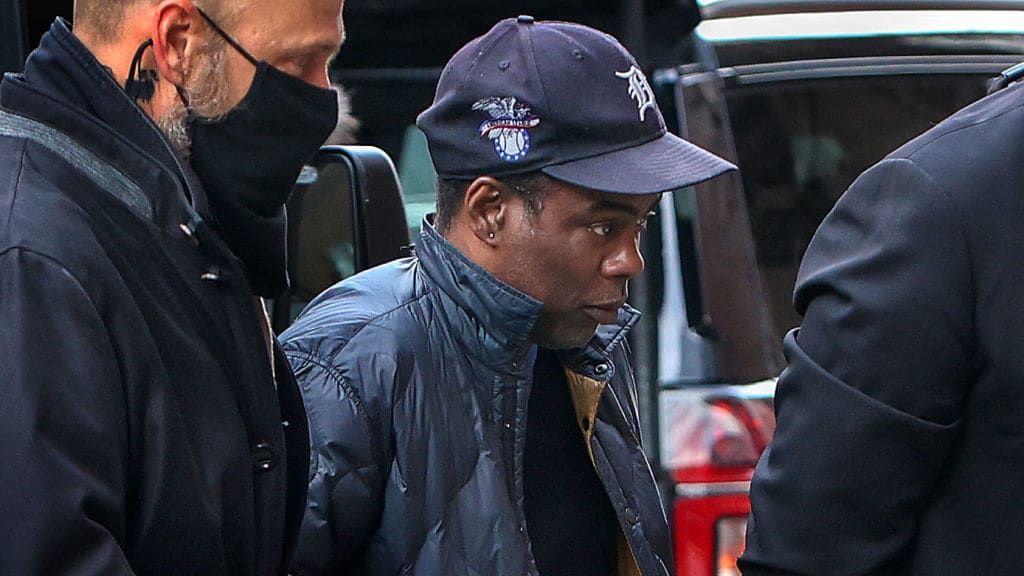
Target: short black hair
[(450, 194)]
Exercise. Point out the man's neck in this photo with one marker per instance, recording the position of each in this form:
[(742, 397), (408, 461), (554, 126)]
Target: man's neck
[(465, 241)]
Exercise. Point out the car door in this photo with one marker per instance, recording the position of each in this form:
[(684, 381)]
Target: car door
[(709, 254)]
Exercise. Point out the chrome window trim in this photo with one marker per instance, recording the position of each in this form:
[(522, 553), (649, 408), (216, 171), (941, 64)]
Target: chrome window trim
[(865, 67)]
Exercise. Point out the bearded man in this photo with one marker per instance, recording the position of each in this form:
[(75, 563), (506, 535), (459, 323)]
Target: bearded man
[(149, 424)]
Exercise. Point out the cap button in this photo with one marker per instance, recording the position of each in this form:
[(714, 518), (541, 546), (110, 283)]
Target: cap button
[(524, 19)]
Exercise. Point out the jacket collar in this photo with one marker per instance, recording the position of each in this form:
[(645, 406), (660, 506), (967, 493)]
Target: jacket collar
[(595, 359), (65, 87), (505, 315)]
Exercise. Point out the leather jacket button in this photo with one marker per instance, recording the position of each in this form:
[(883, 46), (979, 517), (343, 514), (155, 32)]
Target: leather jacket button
[(190, 233), (264, 458), (214, 276)]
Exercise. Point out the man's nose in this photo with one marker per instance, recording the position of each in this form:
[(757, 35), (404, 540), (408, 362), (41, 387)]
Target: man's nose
[(626, 262)]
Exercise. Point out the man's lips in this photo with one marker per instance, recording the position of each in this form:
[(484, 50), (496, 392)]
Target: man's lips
[(604, 313)]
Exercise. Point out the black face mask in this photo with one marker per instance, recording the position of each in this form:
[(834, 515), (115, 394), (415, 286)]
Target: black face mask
[(249, 159)]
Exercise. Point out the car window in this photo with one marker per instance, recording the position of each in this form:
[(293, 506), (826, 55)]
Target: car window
[(801, 144), (418, 178)]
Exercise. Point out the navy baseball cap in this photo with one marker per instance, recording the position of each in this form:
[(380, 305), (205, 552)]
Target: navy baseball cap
[(561, 98)]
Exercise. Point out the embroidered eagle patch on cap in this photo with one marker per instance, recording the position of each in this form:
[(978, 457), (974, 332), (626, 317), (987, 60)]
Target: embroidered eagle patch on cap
[(508, 126)]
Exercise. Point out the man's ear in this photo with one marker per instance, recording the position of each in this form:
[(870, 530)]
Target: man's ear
[(173, 38), (485, 208)]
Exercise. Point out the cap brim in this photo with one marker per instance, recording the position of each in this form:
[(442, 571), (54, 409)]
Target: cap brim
[(660, 165)]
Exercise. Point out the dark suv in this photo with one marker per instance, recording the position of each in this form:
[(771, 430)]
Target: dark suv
[(802, 94)]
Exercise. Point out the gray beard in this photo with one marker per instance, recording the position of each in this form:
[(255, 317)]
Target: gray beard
[(206, 90), (173, 125)]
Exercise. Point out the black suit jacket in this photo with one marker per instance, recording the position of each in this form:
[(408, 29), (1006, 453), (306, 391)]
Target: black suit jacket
[(900, 440)]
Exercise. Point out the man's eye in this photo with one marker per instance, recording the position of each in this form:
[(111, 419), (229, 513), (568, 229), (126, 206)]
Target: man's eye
[(602, 229)]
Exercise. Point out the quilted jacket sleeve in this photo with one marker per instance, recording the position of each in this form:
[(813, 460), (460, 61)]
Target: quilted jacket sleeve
[(872, 397), (62, 424), (348, 405)]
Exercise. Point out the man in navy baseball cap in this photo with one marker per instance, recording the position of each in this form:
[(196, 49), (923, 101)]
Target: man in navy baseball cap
[(472, 407), (536, 115), (559, 98)]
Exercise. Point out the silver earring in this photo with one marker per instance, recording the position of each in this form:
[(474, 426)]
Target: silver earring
[(490, 235)]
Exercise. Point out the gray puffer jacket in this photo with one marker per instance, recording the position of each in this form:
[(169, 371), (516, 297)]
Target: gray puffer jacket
[(416, 376)]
